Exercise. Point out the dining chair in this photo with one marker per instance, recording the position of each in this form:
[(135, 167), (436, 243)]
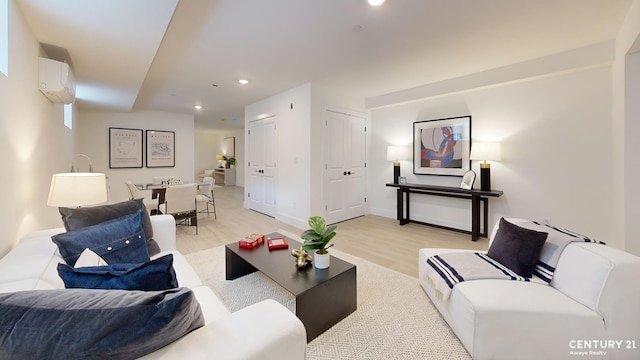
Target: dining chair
[(150, 204), (205, 196), (180, 201)]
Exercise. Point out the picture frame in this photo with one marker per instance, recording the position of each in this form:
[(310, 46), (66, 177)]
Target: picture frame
[(161, 148), (467, 180), (442, 146), (125, 148), (229, 146)]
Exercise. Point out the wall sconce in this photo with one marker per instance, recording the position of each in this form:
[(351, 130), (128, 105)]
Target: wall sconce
[(485, 152), (75, 189), (395, 154)]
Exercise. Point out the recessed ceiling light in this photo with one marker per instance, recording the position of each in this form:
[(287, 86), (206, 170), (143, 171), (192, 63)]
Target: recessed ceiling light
[(243, 81), (375, 2), (198, 107)]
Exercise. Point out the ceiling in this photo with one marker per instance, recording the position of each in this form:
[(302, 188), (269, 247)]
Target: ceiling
[(169, 55)]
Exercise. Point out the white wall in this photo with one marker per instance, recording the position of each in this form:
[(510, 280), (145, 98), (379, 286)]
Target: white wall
[(626, 112), (94, 127), (292, 109), (34, 142), (300, 132), (209, 143), (556, 141)]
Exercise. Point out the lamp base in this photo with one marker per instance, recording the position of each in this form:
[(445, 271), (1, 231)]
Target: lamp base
[(485, 177), (396, 172)]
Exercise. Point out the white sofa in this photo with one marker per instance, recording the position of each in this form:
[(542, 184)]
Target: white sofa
[(590, 308), (266, 330)]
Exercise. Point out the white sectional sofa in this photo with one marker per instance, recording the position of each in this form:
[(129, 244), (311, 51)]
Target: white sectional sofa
[(590, 308), (266, 330)]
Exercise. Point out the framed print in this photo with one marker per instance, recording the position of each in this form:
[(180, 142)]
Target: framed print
[(125, 148), (161, 148), (229, 146), (442, 146)]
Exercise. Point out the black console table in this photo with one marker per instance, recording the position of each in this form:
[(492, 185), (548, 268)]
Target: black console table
[(476, 197)]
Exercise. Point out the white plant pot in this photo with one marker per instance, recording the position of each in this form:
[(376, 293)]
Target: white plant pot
[(321, 261)]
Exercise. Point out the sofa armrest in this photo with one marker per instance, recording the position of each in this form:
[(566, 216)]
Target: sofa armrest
[(164, 231), (263, 331)]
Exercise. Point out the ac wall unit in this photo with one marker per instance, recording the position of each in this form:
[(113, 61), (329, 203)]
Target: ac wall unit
[(56, 81)]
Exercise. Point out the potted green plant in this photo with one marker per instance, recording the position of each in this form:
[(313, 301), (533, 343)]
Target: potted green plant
[(317, 238), (231, 161)]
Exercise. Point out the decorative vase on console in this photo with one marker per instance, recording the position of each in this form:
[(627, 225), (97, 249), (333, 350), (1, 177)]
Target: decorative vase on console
[(317, 238)]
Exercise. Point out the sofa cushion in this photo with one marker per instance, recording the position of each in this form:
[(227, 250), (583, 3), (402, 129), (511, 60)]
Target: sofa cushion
[(117, 241), (53, 324), (77, 218), (517, 248), (157, 274)]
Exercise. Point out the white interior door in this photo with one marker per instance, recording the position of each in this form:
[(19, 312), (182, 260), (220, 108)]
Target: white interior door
[(262, 166), (345, 166)]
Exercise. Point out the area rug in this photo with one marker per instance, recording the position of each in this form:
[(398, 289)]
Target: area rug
[(395, 319)]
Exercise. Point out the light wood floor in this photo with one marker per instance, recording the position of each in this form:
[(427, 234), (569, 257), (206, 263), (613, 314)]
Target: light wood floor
[(378, 239)]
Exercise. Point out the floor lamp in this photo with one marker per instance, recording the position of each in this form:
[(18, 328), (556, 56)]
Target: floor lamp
[(485, 152), (75, 189)]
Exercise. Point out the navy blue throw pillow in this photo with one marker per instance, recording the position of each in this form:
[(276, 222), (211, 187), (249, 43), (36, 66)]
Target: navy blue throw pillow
[(117, 241), (154, 275), (94, 324), (517, 248), (77, 218)]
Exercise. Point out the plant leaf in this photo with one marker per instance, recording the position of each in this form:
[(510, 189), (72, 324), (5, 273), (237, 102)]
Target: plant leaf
[(317, 223), (329, 230), (310, 234), (329, 237)]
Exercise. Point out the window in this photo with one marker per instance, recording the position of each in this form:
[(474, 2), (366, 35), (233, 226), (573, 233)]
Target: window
[(68, 114), (4, 37)]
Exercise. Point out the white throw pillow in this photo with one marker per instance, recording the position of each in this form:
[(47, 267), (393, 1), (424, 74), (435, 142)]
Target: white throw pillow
[(89, 258)]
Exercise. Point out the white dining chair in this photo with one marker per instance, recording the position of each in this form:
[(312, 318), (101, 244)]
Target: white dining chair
[(205, 196), (149, 203), (180, 201)]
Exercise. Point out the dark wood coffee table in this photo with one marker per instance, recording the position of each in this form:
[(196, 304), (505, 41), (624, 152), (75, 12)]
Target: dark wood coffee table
[(323, 297)]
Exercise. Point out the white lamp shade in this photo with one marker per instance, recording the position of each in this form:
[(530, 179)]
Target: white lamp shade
[(396, 153), (77, 189), (485, 151)]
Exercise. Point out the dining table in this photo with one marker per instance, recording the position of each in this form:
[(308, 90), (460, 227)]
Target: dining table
[(158, 191)]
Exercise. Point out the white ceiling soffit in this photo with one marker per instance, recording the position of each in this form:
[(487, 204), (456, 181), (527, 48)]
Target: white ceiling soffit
[(111, 43), (169, 55)]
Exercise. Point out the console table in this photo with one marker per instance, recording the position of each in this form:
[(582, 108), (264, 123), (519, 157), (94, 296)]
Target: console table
[(476, 197), (224, 176)]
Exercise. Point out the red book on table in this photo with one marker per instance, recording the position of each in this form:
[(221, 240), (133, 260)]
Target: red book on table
[(277, 243)]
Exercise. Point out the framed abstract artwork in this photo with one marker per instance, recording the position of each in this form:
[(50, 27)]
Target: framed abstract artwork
[(442, 146), (161, 148), (125, 148)]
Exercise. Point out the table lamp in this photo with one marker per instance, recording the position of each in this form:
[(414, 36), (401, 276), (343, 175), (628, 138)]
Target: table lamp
[(395, 154), (75, 189), (485, 152)]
